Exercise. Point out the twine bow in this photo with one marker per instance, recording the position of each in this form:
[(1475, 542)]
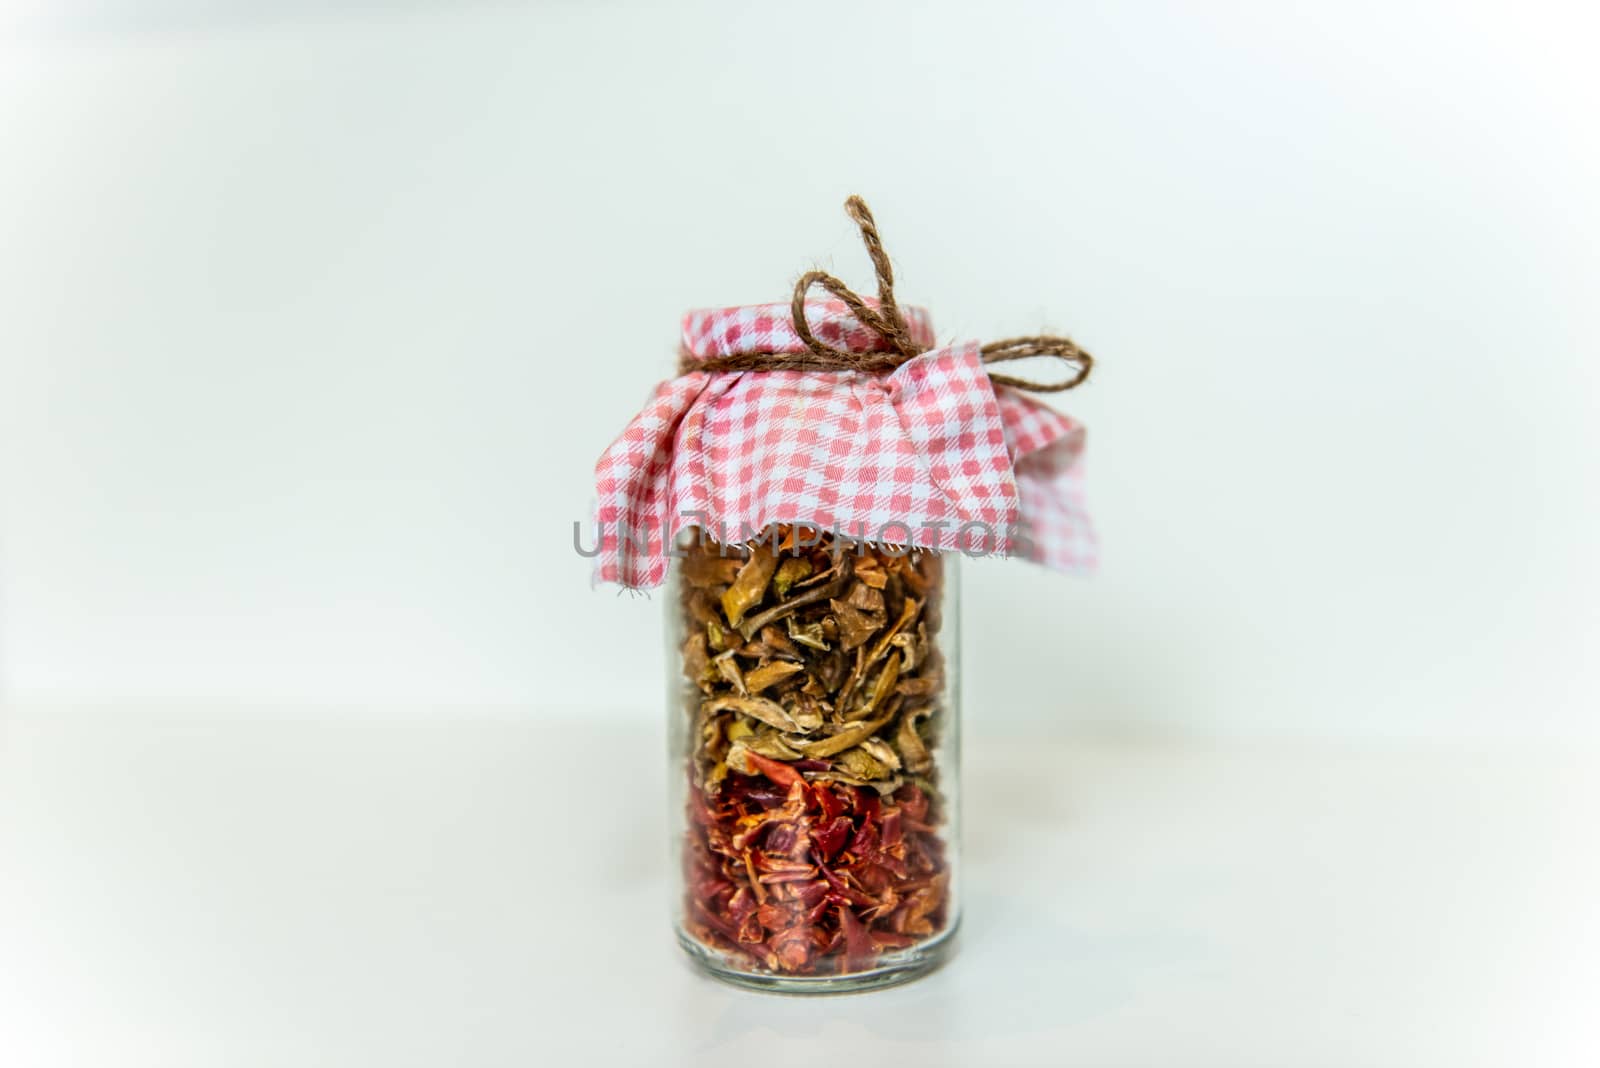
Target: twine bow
[(886, 321)]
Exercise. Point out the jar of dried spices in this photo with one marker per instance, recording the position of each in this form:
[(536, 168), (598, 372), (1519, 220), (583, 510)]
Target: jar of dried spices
[(805, 488)]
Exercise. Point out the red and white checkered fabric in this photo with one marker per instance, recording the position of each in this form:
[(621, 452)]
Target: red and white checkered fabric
[(931, 454)]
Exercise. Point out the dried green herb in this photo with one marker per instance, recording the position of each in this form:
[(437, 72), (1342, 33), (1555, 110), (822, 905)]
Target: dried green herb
[(749, 585)]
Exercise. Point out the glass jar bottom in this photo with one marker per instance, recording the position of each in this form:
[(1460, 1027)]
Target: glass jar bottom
[(893, 968)]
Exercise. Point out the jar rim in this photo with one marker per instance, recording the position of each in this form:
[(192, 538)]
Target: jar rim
[(708, 333)]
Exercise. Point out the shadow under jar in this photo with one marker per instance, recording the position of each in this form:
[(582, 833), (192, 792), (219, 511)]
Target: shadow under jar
[(814, 735)]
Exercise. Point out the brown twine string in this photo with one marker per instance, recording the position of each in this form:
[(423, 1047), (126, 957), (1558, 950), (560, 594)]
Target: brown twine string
[(887, 321)]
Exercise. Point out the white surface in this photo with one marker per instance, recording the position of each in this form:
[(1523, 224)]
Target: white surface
[(313, 318), (286, 890)]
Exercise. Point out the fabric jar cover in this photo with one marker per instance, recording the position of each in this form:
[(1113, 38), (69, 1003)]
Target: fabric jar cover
[(932, 454)]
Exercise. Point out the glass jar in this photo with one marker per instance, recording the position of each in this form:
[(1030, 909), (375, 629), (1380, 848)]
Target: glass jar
[(814, 747)]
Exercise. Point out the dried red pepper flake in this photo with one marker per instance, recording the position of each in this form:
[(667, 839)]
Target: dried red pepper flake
[(780, 773), (830, 803), (851, 896), (830, 838), (858, 947)]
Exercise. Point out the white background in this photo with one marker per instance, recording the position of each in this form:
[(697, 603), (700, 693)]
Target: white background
[(319, 748), (315, 318)]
